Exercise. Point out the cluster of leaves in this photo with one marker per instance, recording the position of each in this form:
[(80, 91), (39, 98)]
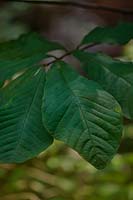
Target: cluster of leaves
[(38, 105)]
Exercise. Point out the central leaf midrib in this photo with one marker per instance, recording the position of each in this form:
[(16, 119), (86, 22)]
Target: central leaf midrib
[(80, 110)]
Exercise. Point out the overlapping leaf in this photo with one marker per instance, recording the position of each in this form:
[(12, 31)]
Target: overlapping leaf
[(22, 134), (120, 34), (114, 76), (80, 113), (19, 54)]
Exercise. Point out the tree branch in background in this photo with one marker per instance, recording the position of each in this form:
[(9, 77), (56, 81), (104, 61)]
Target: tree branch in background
[(89, 6)]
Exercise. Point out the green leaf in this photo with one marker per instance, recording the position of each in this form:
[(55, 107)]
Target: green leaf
[(22, 134), (24, 52), (120, 34), (113, 75), (80, 113)]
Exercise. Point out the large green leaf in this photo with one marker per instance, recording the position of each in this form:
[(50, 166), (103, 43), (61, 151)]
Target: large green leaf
[(19, 54), (80, 113), (120, 34), (113, 75), (22, 134)]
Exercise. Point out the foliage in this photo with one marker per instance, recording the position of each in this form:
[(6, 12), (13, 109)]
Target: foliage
[(39, 105), (115, 76), (121, 34), (86, 118)]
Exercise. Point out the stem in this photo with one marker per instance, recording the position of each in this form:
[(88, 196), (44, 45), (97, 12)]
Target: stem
[(68, 53), (91, 6)]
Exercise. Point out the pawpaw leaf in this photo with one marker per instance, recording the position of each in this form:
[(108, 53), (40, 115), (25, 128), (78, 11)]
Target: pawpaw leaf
[(22, 134), (81, 114), (119, 34), (28, 50), (115, 76)]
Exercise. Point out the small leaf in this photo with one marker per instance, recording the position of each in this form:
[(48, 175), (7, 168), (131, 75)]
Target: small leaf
[(80, 113), (22, 134), (115, 76), (19, 54), (120, 34)]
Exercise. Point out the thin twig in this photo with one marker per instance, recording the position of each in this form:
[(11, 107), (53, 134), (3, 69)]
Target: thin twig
[(68, 53), (91, 6)]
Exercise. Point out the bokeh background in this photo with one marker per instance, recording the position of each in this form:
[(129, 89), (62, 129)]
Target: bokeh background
[(60, 173)]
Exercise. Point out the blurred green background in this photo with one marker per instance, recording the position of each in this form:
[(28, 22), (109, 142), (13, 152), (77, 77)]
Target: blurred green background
[(60, 173)]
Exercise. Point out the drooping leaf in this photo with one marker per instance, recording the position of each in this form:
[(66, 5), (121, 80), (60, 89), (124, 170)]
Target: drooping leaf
[(22, 134), (113, 75), (80, 113), (120, 34), (19, 54)]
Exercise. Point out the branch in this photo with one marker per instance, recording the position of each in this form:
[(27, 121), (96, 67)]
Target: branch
[(91, 6), (68, 53)]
